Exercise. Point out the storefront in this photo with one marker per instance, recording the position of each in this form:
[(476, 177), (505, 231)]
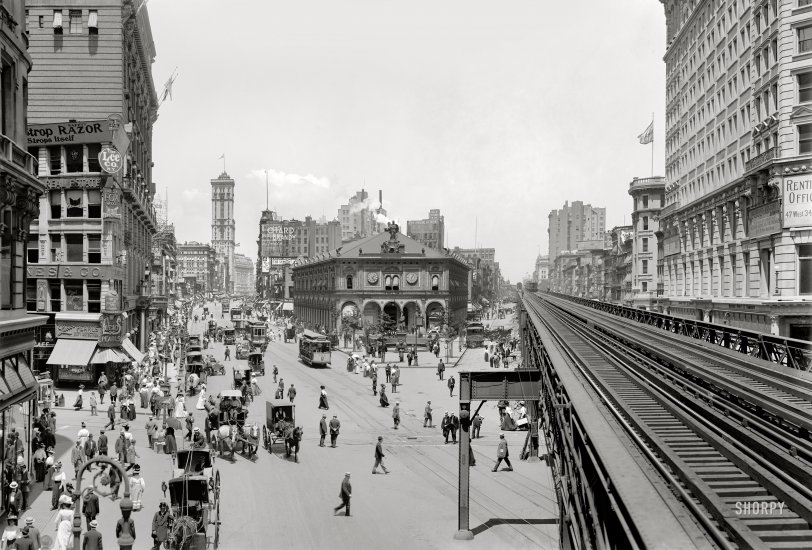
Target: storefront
[(85, 349)]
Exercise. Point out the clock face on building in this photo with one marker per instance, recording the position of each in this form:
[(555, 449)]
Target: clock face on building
[(411, 278), (372, 278)]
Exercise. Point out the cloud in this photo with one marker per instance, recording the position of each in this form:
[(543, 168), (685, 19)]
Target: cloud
[(283, 179), (195, 195)]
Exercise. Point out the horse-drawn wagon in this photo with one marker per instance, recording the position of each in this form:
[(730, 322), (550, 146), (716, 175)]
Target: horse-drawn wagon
[(240, 374), (194, 497), (256, 361), (231, 433), (280, 424)]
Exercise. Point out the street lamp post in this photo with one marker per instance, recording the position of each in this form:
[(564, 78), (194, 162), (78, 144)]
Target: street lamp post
[(419, 320), (126, 539)]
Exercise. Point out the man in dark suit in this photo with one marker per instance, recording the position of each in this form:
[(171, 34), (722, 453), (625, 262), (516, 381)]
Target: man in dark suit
[(91, 507), (455, 425), (334, 428), (93, 539), (323, 429), (33, 533), (345, 494), (24, 541)]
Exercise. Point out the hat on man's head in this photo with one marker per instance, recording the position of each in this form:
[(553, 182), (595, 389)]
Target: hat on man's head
[(502, 435), (346, 473), (94, 524), (84, 425), (29, 520), (13, 485), (380, 437), (81, 386), (197, 429)]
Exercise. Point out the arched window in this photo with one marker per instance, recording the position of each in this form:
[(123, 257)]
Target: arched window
[(396, 282), (435, 282), (388, 282), (349, 282)]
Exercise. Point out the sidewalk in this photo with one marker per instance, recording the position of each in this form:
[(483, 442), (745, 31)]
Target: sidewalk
[(155, 468)]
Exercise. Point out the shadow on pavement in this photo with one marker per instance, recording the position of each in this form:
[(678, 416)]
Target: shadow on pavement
[(516, 521)]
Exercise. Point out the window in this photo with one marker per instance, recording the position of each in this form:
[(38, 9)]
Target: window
[(33, 248), (93, 151), (7, 99), (41, 21), (94, 296), (57, 24), (644, 284), (645, 267), (349, 282), (645, 244), (645, 222), (94, 248), (75, 21), (75, 245), (31, 295), (74, 295), (74, 199), (805, 269), (388, 282), (93, 203), (396, 282), (56, 248), (804, 138), (55, 159), (55, 290), (435, 282), (74, 158), (805, 39)]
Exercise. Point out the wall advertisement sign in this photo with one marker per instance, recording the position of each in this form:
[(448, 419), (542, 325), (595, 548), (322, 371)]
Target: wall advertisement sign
[(764, 219), (797, 195)]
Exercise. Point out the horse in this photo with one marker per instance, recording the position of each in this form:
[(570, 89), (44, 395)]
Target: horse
[(248, 436), (292, 439)]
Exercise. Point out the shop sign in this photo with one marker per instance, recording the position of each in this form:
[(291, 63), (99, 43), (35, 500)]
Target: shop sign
[(110, 160), (797, 194), (54, 271), (78, 330), (112, 330), (42, 294), (75, 372), (111, 204), (671, 245), (764, 220), (60, 133)]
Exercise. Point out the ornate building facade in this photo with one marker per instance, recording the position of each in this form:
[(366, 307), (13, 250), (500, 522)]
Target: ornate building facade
[(388, 273), (737, 242)]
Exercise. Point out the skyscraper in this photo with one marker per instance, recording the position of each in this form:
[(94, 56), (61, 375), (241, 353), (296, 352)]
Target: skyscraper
[(578, 222), (222, 228)]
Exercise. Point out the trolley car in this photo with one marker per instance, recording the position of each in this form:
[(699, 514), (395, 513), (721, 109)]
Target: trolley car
[(314, 348)]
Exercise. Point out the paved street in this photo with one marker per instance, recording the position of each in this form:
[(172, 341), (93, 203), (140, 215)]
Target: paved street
[(277, 502)]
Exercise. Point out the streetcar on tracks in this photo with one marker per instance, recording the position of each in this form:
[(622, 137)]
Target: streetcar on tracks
[(474, 334), (194, 498), (256, 362), (257, 334), (314, 348)]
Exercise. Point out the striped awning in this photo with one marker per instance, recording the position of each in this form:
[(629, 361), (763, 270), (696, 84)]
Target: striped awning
[(72, 352), (131, 350), (109, 355)]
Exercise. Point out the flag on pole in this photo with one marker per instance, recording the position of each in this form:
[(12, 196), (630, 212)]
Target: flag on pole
[(648, 134), (221, 156), (168, 86)]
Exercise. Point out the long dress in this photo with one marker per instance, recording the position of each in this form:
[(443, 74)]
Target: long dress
[(59, 479), (171, 445), (384, 399), (64, 536), (323, 400), (180, 409), (201, 401)]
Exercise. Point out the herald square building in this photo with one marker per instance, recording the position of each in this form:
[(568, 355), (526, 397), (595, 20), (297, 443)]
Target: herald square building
[(388, 273)]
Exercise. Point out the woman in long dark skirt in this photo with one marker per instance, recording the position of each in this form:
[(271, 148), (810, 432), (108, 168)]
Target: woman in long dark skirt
[(171, 445), (59, 479), (384, 399), (323, 399)]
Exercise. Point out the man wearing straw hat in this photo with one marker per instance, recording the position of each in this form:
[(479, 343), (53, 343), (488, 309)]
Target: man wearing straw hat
[(344, 495), (93, 539), (33, 533)]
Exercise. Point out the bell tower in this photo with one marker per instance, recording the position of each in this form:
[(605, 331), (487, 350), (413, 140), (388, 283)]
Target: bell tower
[(222, 229)]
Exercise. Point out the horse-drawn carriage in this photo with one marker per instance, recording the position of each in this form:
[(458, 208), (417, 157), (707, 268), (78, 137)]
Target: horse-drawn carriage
[(194, 497), (231, 433), (256, 362), (280, 424), (195, 340), (239, 375)]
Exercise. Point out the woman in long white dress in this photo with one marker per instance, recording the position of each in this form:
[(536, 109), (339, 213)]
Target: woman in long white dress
[(201, 400), (180, 407), (64, 536)]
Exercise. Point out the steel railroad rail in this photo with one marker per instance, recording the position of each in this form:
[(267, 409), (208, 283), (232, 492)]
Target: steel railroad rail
[(733, 481)]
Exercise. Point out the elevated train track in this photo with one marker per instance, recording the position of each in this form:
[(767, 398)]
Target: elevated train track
[(729, 439)]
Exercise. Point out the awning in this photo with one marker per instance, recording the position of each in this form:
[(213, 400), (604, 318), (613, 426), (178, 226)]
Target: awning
[(109, 355), (17, 385), (131, 350), (287, 306), (72, 352)]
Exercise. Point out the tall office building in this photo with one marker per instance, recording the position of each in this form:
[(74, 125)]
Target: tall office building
[(360, 218), (573, 223), (92, 100), (737, 243), (222, 229), (430, 231)]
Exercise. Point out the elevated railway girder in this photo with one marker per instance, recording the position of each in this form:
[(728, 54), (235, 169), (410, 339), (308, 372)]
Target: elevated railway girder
[(796, 354)]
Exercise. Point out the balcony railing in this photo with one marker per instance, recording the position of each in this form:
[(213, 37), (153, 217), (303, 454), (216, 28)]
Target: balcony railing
[(761, 159), (647, 182), (12, 153), (668, 209)]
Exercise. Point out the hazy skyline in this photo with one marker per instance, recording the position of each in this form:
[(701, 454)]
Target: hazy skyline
[(491, 112)]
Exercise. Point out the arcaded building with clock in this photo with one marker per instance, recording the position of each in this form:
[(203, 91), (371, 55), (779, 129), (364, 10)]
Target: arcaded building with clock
[(386, 273)]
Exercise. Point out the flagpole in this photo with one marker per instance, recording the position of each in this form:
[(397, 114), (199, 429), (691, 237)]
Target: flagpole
[(652, 144)]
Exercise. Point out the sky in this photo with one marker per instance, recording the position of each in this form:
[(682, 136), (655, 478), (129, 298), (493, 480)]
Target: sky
[(493, 112)]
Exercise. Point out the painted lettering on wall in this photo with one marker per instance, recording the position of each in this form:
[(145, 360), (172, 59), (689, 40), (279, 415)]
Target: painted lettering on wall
[(797, 195)]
